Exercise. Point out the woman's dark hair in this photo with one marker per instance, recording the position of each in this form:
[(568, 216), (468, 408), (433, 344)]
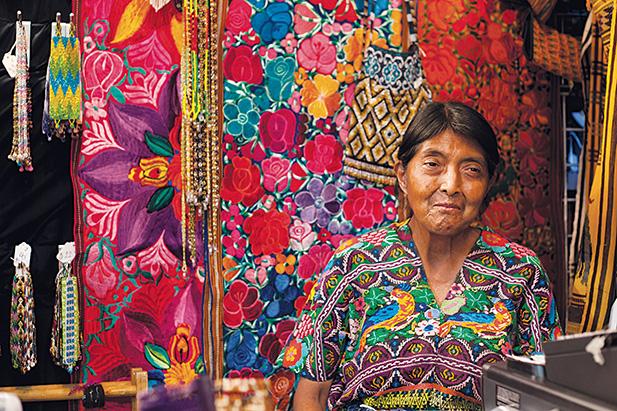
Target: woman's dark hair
[(461, 119)]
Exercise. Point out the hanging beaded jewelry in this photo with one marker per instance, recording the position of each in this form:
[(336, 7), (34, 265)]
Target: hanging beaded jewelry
[(22, 339), (65, 346), (201, 161), (20, 151), (63, 87)]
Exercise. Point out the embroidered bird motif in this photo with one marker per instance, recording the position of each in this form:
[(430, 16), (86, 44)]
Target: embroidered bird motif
[(492, 324), (394, 316)]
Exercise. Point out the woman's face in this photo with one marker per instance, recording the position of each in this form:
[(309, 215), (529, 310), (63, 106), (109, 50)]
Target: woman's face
[(445, 183)]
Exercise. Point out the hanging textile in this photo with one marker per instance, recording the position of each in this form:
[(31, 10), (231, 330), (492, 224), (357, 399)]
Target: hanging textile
[(603, 11), (62, 115), (23, 327), (290, 70), (140, 308), (593, 65), (391, 89), (593, 289), (549, 49), (20, 151), (556, 52), (65, 346), (200, 144)]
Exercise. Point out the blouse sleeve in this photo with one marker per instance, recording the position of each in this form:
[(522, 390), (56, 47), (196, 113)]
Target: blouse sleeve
[(537, 318), (321, 334)]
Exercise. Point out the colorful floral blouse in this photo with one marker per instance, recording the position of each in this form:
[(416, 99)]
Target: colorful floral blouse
[(374, 328)]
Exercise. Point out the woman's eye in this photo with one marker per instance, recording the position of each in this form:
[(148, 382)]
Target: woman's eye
[(474, 170), (431, 164)]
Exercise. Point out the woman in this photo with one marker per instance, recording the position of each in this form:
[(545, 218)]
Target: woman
[(404, 317)]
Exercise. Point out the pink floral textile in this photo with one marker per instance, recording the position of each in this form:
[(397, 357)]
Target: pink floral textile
[(140, 310)]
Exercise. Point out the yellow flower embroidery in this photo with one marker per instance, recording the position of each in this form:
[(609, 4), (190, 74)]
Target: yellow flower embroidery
[(320, 96)]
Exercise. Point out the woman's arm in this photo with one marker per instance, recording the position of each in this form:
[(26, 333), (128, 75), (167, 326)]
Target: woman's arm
[(311, 395)]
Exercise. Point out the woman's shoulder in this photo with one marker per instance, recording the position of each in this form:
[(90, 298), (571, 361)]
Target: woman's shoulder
[(377, 238), (513, 253)]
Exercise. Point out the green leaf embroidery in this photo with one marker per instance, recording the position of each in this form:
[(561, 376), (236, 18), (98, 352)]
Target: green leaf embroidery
[(157, 356), (147, 275), (158, 145), (117, 94), (160, 199), (199, 366)]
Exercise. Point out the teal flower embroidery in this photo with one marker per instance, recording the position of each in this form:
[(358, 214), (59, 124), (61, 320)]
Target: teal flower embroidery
[(242, 118), (279, 78)]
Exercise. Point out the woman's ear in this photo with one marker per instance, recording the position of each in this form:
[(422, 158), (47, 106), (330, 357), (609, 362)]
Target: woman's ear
[(404, 212), (399, 169)]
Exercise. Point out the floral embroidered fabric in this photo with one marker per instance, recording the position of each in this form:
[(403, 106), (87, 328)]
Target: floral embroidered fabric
[(372, 324)]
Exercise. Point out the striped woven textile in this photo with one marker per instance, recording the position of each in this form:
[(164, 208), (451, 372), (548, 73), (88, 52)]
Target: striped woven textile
[(593, 289)]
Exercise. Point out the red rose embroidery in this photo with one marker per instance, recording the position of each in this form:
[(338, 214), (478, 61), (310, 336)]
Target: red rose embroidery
[(439, 62), (276, 173), (241, 64), (272, 344), (499, 46), (278, 130), (241, 182), (535, 206), (282, 383), (246, 373), (268, 231), (312, 264), (443, 13), (363, 207), (536, 109), (345, 9), (503, 217), (499, 104), (324, 154), (470, 48), (238, 17), (493, 239), (240, 303), (317, 53)]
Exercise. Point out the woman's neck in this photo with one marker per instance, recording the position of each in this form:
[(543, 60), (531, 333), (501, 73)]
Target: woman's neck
[(442, 256)]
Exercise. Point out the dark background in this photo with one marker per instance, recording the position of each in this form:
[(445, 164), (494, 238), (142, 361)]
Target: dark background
[(35, 207)]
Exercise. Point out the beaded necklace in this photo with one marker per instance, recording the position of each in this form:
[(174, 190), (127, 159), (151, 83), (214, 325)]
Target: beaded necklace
[(20, 151), (201, 96), (22, 341)]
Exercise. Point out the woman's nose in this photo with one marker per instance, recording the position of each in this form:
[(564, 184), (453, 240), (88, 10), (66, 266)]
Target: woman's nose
[(450, 181)]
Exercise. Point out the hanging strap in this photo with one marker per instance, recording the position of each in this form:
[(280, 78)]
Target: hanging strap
[(409, 37), (368, 17)]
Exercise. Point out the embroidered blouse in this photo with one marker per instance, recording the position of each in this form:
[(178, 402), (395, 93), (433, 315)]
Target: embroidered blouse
[(373, 327)]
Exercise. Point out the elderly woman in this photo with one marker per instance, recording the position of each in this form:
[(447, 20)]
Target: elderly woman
[(404, 317)]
